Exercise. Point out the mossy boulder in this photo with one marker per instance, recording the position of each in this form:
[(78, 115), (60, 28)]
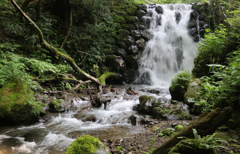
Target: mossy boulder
[(167, 132), (120, 19), (17, 103), (131, 10), (128, 26), (179, 85), (86, 144), (145, 104), (190, 146), (131, 19)]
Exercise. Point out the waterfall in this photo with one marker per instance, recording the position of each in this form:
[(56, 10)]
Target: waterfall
[(171, 48)]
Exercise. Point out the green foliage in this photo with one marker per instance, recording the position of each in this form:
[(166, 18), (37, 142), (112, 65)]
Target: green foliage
[(17, 103), (85, 144), (199, 144), (179, 85)]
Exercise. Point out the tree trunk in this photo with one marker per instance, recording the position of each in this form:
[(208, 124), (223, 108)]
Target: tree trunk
[(206, 124)]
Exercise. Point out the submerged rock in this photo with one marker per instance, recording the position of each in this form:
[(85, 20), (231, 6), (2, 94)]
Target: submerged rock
[(17, 103)]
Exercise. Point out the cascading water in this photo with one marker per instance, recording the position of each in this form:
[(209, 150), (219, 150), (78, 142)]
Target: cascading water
[(170, 49)]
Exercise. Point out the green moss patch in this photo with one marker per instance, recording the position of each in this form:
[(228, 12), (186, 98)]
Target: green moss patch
[(85, 144), (17, 103)]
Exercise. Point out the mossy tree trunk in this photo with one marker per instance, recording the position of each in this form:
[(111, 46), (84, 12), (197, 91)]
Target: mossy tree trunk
[(206, 124), (54, 50)]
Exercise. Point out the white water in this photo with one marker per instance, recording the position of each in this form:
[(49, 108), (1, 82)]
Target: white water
[(60, 129), (171, 49)]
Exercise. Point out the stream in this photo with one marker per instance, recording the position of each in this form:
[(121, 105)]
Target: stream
[(170, 50), (56, 131)]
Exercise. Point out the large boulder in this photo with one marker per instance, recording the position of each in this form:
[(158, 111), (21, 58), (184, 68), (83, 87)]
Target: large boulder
[(17, 103), (87, 144)]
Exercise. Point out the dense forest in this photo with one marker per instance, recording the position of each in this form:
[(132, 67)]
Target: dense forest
[(57, 46)]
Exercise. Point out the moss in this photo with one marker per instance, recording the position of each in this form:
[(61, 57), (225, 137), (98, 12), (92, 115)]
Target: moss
[(123, 33), (179, 85), (167, 131), (131, 10), (85, 144), (108, 52), (131, 19), (190, 146), (182, 115), (128, 26), (106, 75), (17, 103), (179, 127), (120, 19)]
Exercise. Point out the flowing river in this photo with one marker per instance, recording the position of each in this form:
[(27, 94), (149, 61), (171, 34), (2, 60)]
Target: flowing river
[(170, 50)]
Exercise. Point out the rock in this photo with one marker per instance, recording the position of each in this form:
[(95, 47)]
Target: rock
[(58, 105), (131, 19), (142, 7), (135, 34), (124, 33), (131, 62), (17, 103), (131, 10), (130, 75), (179, 85), (116, 63), (129, 41), (133, 50), (87, 144), (146, 35), (122, 45), (167, 132), (130, 91), (159, 10), (120, 19), (178, 16), (133, 120), (141, 43), (128, 26), (121, 52), (145, 104), (141, 13), (158, 21)]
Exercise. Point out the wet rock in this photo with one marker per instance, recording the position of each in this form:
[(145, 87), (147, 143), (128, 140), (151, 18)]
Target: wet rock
[(122, 45), (129, 41), (130, 75), (178, 16), (142, 7), (131, 62), (130, 91), (135, 34), (116, 63), (123, 32), (133, 120), (159, 10), (121, 52), (158, 21), (133, 50), (141, 13), (141, 43), (146, 34), (145, 104), (147, 22)]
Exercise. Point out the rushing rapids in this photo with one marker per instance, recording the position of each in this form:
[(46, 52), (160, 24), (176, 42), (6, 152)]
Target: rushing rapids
[(171, 48)]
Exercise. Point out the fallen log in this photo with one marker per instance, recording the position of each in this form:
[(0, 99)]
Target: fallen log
[(206, 124)]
